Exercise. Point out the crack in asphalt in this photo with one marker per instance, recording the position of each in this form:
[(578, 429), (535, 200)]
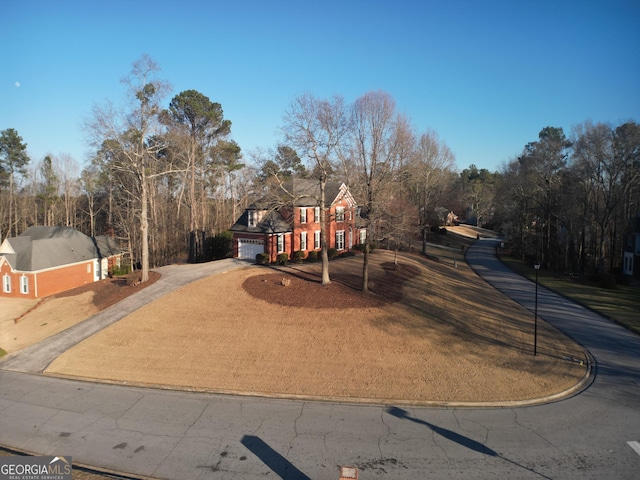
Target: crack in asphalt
[(295, 428), (383, 436)]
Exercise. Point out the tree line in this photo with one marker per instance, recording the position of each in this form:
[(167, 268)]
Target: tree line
[(164, 180), (570, 203)]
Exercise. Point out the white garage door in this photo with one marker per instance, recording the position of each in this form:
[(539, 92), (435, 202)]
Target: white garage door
[(250, 248)]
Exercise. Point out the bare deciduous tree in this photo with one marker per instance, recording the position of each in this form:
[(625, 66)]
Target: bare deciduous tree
[(380, 141), (133, 139), (426, 176), (316, 128)]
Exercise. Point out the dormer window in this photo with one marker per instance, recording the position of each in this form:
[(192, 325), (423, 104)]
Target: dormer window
[(253, 218)]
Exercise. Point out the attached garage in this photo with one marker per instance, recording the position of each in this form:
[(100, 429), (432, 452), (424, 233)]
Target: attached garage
[(255, 232), (248, 248)]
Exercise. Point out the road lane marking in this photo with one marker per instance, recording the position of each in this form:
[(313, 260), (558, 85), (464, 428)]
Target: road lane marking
[(635, 445)]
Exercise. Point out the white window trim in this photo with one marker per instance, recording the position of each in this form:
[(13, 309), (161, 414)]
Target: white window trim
[(280, 242), (316, 215), (303, 240), (339, 234), (6, 283), (252, 218), (24, 285), (317, 241), (303, 215), (339, 214)]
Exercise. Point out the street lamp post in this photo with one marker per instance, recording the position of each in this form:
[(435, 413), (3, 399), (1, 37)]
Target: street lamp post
[(536, 266)]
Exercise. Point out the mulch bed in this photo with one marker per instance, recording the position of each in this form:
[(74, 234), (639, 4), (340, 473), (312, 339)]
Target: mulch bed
[(302, 287), (110, 290)]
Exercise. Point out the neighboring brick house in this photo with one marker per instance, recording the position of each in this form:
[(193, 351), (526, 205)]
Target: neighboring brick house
[(43, 261), (296, 226)]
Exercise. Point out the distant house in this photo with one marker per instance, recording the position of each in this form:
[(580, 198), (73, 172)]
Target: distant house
[(43, 261), (631, 254), (295, 226)]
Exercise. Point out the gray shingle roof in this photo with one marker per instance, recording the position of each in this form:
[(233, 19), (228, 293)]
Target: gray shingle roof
[(40, 248), (307, 192), (272, 222)]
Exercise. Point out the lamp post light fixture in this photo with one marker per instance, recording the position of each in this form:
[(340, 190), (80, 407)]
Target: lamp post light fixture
[(536, 266)]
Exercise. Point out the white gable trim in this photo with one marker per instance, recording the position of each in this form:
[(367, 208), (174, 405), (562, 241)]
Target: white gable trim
[(345, 193), (6, 247), (3, 259)]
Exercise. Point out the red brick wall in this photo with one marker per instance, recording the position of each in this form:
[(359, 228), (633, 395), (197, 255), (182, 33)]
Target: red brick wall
[(271, 246), (50, 281), (5, 269), (312, 224), (65, 278), (348, 224)]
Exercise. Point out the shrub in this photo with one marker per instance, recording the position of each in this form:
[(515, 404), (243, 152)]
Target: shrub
[(283, 258), (313, 256), (332, 253), (262, 259), (219, 246), (347, 254), (120, 271), (298, 256)]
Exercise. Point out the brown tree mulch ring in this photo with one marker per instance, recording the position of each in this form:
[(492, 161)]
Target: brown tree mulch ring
[(296, 287)]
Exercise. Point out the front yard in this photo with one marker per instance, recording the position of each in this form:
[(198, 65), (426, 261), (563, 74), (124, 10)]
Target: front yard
[(428, 332)]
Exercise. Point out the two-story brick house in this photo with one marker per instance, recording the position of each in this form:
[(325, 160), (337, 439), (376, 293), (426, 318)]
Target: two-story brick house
[(296, 226)]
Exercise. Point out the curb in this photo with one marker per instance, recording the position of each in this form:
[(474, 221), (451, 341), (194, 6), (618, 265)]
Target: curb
[(586, 380)]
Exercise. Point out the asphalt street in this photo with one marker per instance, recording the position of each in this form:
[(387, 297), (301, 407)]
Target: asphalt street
[(156, 433)]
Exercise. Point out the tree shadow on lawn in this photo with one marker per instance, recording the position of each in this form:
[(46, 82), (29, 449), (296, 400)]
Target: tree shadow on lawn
[(451, 304), (459, 307), (300, 286), (109, 291)]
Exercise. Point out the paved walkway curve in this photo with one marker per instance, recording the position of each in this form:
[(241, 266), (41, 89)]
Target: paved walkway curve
[(182, 435)]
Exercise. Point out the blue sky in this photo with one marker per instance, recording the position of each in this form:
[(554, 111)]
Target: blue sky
[(487, 76)]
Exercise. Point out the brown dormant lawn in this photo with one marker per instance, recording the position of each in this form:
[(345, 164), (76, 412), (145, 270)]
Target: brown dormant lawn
[(428, 332)]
